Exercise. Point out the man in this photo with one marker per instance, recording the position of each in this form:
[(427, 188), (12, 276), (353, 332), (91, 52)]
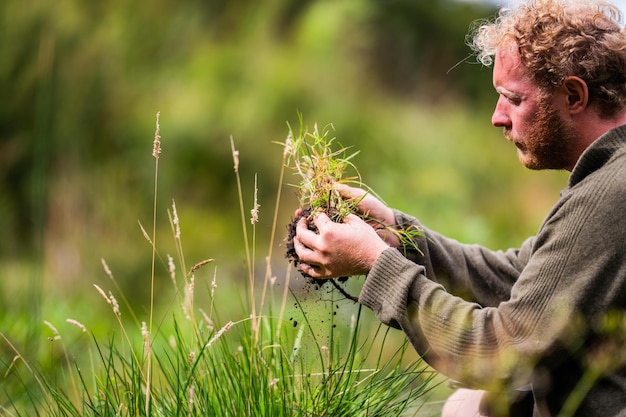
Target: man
[(544, 321)]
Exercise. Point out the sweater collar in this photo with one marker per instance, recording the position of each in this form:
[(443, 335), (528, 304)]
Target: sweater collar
[(598, 154)]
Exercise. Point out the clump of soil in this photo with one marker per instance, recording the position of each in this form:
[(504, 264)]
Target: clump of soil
[(292, 256)]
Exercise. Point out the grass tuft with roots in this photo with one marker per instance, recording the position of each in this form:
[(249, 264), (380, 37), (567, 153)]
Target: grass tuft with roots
[(320, 162)]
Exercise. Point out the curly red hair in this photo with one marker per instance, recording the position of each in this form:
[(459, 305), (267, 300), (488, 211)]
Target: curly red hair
[(560, 38)]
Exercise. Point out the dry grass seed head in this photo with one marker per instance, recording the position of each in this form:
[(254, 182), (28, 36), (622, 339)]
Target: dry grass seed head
[(78, 324), (56, 336), (171, 268), (175, 220), (156, 146), (200, 265), (219, 334)]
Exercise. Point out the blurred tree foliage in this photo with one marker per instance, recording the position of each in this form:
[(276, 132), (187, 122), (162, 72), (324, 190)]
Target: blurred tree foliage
[(82, 82), (419, 47)]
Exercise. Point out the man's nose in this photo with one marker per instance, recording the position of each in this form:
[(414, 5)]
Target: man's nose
[(500, 117)]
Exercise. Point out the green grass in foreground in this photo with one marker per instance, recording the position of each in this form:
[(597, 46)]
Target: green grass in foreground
[(191, 362)]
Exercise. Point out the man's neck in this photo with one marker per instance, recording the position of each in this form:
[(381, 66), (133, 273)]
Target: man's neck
[(591, 126)]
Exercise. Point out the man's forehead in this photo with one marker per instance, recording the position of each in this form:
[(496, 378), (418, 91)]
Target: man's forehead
[(508, 54), (510, 75), (508, 61)]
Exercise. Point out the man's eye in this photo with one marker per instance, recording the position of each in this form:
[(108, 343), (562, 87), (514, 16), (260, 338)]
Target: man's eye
[(514, 100)]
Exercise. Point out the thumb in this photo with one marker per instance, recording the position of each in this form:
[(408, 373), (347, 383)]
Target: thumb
[(321, 219), (352, 219), (348, 192)]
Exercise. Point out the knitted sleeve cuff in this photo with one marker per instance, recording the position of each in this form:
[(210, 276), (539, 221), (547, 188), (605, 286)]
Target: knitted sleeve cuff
[(387, 286)]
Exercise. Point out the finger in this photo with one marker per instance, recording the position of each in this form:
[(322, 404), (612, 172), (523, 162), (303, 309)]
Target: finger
[(321, 219), (306, 255), (355, 221), (350, 193), (307, 260), (352, 218), (313, 271), (303, 232), (303, 224)]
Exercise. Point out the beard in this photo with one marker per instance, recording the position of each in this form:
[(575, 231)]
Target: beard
[(548, 143)]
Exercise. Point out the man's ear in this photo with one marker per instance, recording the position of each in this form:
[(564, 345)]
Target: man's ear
[(577, 94)]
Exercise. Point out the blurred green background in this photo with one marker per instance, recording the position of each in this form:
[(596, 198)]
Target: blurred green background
[(81, 84)]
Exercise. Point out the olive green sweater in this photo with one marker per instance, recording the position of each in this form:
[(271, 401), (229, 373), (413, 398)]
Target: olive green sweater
[(534, 316)]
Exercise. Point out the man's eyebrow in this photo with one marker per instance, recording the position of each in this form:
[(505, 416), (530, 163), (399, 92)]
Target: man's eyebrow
[(505, 91), (508, 93)]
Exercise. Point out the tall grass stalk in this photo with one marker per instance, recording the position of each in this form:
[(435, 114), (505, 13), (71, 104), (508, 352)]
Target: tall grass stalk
[(47, 400), (249, 263), (249, 258), (268, 259), (56, 338), (109, 273), (156, 151)]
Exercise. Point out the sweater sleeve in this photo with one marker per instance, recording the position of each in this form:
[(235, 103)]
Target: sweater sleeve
[(553, 286), (471, 271)]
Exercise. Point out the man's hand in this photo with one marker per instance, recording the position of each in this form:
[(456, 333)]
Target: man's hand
[(338, 249), (378, 215)]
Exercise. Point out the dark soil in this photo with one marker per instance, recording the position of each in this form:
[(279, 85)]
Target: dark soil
[(291, 254)]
